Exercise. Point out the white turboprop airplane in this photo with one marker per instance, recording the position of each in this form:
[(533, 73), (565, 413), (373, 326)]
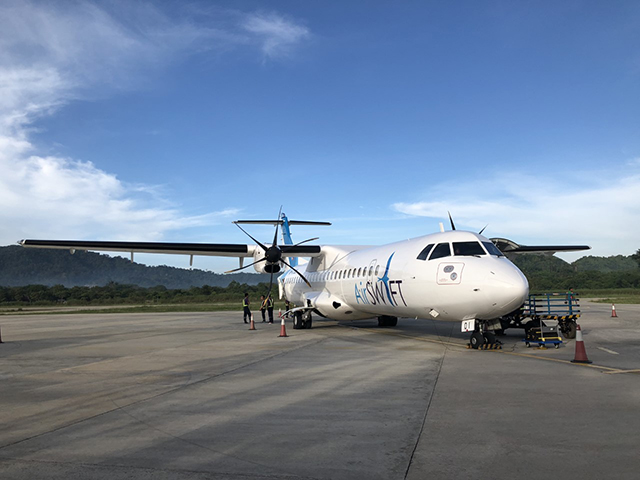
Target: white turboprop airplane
[(451, 275)]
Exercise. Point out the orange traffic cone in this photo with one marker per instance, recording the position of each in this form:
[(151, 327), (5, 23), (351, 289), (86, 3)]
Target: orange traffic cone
[(252, 326), (283, 330), (613, 310), (279, 313), (581, 353)]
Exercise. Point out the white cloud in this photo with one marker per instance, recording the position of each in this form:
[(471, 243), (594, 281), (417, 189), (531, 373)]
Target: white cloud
[(542, 209), (276, 34), (52, 53)]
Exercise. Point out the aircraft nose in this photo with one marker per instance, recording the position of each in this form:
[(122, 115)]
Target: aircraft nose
[(506, 289)]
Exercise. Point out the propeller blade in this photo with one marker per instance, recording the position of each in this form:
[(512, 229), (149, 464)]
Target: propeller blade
[(288, 247), (299, 274), (266, 299), (246, 233), (480, 232), (246, 266), (453, 227)]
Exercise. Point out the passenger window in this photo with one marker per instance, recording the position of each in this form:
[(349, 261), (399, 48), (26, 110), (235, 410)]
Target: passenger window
[(468, 248), (441, 250), (425, 252), (377, 269), (370, 270)]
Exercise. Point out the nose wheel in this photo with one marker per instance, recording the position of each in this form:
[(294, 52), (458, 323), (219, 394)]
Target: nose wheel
[(484, 340), (477, 340)]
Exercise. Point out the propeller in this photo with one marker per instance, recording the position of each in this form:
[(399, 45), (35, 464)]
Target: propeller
[(453, 227), (273, 256)]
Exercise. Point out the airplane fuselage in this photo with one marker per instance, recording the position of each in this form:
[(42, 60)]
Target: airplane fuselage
[(453, 276)]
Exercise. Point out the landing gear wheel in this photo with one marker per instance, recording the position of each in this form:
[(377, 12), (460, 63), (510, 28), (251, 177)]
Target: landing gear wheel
[(306, 320), (490, 338), (569, 330), (297, 321), (477, 340)]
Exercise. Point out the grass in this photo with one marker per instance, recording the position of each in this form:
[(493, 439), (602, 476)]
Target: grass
[(612, 295)]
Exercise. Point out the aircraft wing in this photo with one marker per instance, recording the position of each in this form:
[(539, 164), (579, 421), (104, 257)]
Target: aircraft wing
[(205, 249), (509, 246)]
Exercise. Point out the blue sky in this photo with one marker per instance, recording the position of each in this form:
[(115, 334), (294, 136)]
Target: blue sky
[(166, 121)]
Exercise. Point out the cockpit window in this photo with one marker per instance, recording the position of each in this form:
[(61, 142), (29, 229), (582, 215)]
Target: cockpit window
[(492, 249), (441, 250), (468, 248), (425, 252)]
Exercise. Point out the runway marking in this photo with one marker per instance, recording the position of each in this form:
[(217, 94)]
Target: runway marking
[(607, 350), (504, 352), (613, 372)]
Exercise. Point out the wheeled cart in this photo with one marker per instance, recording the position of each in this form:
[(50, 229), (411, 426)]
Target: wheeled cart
[(543, 336)]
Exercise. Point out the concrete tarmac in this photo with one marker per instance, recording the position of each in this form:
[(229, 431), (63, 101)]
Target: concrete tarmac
[(199, 396)]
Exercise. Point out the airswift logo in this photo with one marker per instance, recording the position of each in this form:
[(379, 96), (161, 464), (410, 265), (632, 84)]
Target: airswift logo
[(383, 290)]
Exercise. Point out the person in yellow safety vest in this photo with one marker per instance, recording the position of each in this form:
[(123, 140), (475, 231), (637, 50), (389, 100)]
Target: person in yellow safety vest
[(263, 307), (245, 306), (269, 303)]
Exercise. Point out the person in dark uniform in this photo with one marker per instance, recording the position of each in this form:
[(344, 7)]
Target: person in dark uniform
[(269, 303), (245, 306), (263, 307), (287, 305)]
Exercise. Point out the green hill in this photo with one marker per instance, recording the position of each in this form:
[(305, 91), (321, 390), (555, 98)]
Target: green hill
[(25, 266)]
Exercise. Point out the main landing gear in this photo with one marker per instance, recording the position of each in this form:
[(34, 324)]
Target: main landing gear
[(483, 339), (302, 320), (387, 321)]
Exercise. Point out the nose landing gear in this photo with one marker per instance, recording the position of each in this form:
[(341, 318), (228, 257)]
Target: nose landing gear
[(482, 339)]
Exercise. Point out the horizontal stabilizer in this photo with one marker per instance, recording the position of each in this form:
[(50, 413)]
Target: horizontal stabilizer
[(280, 222)]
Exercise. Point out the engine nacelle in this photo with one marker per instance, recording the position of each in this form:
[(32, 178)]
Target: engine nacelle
[(264, 267)]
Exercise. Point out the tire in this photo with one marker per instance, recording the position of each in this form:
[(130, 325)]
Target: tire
[(297, 321), (569, 331), (477, 340), (490, 338), (306, 320)]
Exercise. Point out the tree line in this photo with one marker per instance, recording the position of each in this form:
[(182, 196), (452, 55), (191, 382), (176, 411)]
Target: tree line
[(121, 294)]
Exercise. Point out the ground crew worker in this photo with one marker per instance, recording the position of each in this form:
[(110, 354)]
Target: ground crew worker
[(269, 303), (287, 305), (245, 306), (263, 307)]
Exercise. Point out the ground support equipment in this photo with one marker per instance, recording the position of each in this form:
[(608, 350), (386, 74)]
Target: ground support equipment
[(543, 336), (561, 307)]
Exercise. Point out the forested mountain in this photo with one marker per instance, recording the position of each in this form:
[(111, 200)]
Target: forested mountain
[(547, 273), (26, 266)]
